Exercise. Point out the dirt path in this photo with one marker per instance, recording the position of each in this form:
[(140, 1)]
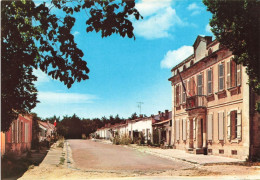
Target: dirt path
[(95, 160), (90, 155)]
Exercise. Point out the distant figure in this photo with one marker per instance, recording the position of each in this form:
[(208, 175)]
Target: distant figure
[(48, 141)]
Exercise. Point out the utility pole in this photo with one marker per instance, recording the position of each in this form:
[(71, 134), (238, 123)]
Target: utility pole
[(139, 105)]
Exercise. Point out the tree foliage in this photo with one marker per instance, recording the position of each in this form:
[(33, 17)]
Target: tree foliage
[(33, 37), (236, 25), (73, 127)]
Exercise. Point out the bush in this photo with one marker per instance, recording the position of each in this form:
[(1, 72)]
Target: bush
[(116, 140), (124, 140)]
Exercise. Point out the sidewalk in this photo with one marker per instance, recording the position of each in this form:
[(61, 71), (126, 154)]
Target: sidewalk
[(182, 155), (54, 160), (53, 156)]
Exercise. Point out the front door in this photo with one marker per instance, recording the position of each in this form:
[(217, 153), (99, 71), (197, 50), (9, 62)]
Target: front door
[(191, 133)]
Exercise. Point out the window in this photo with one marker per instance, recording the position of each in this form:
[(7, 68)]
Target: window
[(194, 128), (209, 75), (148, 134), (209, 51), (183, 92), (13, 132), (200, 85), (177, 129), (233, 117), (210, 127), (192, 86), (221, 126), (184, 67), (221, 77), (233, 74), (21, 132), (191, 63), (234, 125), (184, 130), (238, 74), (177, 95)]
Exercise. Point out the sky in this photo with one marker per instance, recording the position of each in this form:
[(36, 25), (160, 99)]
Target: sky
[(125, 71)]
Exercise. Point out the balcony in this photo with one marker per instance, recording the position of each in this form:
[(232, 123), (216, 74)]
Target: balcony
[(195, 102)]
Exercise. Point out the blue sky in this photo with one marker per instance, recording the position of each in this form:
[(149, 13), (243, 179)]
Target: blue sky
[(126, 71)]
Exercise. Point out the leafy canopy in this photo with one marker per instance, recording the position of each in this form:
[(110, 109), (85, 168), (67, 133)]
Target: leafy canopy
[(33, 37), (236, 25)]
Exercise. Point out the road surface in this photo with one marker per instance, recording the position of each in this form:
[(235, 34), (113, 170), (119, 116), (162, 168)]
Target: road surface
[(91, 155)]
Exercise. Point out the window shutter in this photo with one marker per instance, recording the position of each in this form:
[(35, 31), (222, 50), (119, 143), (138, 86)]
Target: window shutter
[(194, 128), (180, 94), (209, 81), (239, 124), (220, 126), (189, 81), (199, 83), (228, 75), (16, 133), (175, 97), (228, 126), (238, 74), (221, 77), (194, 86), (202, 83), (13, 132), (177, 130), (183, 92), (210, 127), (184, 127)]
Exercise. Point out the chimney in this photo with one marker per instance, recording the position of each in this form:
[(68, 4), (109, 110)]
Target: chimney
[(167, 114), (141, 116)]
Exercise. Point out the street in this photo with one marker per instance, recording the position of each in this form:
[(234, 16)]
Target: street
[(99, 160), (90, 155)]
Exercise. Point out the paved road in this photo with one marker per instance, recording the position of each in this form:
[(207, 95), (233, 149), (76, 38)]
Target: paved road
[(90, 155)]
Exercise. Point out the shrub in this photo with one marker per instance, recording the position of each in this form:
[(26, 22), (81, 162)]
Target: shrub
[(116, 140), (125, 140)]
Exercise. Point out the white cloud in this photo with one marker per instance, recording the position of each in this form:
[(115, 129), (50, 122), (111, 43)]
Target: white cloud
[(159, 19), (76, 33), (195, 9), (149, 7), (42, 77), (65, 98), (193, 6), (174, 57), (208, 28), (158, 25)]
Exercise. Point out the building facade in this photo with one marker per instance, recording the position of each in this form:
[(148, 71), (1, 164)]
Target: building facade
[(215, 115), (46, 130), (19, 137)]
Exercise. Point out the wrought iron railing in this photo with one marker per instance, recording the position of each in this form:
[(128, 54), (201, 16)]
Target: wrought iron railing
[(197, 101)]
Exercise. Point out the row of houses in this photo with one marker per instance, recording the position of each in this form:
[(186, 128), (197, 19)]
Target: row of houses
[(18, 138), (213, 107), (160, 123)]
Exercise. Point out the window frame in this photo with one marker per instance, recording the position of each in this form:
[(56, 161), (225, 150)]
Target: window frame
[(210, 81), (221, 78), (200, 86)]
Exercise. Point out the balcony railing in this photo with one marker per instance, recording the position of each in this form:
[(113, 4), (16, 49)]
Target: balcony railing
[(197, 101)]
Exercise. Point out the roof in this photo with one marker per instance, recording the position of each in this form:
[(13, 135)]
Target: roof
[(162, 122), (46, 125)]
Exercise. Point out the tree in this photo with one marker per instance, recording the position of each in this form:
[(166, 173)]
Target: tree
[(133, 116), (35, 131), (33, 37), (236, 25), (70, 127)]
